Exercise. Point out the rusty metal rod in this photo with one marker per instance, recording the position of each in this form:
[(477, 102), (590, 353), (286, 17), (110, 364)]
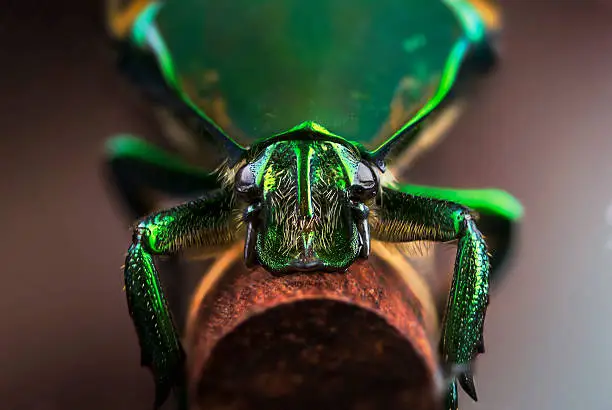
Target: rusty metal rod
[(360, 340)]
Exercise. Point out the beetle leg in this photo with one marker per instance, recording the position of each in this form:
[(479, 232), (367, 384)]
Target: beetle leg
[(206, 221), (499, 215), (452, 397), (403, 218), (135, 166)]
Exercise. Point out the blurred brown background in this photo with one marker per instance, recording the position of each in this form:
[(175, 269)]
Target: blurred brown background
[(542, 130)]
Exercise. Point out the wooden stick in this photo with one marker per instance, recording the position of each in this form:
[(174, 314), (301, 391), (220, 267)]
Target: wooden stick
[(358, 340)]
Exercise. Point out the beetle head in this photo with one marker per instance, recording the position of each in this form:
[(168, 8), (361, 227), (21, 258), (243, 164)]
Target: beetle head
[(306, 205)]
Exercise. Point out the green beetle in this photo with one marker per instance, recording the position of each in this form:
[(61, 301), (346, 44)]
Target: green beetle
[(315, 106)]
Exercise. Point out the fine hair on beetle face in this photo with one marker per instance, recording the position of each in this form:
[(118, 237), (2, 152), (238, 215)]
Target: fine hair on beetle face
[(305, 204)]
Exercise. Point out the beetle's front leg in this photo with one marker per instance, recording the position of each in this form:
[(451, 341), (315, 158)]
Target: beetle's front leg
[(207, 221), (403, 218)]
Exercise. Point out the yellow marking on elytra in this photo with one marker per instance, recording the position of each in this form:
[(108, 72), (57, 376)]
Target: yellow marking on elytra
[(399, 113), (429, 137), (489, 12), (119, 20)]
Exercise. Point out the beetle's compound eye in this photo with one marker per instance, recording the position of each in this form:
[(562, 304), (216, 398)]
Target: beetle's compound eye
[(365, 184), (246, 185)]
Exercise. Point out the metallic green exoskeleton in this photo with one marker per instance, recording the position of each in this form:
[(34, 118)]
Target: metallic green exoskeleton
[(305, 183)]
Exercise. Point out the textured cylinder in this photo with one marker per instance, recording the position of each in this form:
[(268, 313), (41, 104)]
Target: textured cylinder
[(355, 340)]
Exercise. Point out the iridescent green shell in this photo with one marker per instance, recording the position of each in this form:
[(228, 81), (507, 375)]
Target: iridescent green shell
[(362, 68)]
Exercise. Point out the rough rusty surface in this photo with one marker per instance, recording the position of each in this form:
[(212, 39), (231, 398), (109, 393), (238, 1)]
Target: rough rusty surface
[(354, 340)]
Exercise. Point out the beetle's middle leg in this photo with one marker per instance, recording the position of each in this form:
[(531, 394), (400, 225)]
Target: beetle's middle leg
[(402, 218), (135, 166), (207, 221)]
